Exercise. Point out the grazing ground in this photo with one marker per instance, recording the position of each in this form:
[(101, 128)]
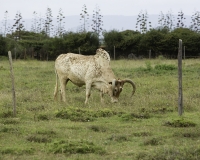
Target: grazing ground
[(145, 127)]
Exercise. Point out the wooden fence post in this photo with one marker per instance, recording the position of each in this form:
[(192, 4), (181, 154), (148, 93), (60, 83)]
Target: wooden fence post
[(150, 54), (13, 83), (114, 52), (180, 97), (184, 52), (15, 54), (25, 53)]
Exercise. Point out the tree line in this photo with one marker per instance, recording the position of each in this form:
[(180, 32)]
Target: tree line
[(44, 24), (40, 43)]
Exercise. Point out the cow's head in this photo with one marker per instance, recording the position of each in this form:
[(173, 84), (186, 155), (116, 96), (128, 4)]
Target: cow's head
[(117, 86)]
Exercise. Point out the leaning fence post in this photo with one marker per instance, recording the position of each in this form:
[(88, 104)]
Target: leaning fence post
[(180, 97), (13, 83)]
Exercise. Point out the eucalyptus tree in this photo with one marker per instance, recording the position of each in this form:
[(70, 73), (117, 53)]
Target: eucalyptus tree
[(142, 22), (60, 28), (195, 24), (34, 22), (48, 23), (84, 19), (180, 20), (97, 21), (40, 24), (161, 19), (166, 20), (18, 26), (37, 23), (5, 24), (169, 20)]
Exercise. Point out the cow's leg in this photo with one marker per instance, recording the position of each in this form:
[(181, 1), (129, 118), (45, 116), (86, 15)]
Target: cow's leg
[(63, 83), (101, 95), (102, 92), (88, 91), (56, 88)]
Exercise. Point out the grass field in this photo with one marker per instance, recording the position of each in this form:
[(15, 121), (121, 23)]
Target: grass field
[(145, 127)]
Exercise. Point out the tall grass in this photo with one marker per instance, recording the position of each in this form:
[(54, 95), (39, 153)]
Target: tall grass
[(146, 126)]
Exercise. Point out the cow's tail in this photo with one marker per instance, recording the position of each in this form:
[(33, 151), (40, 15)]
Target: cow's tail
[(56, 86)]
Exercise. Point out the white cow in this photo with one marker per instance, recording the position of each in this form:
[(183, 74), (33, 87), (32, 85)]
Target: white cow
[(92, 71)]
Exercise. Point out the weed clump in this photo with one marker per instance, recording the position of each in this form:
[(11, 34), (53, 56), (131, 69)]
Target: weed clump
[(74, 147), (165, 67), (119, 138), (158, 69), (78, 115), (96, 128), (81, 115), (7, 114), (153, 141), (134, 116), (180, 123), (142, 134), (148, 66), (182, 153), (43, 117), (2, 68), (38, 138), (9, 130), (188, 134), (16, 151), (10, 121), (105, 113), (50, 133), (161, 110)]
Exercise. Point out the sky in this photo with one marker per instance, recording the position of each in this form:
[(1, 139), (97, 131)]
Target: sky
[(107, 7)]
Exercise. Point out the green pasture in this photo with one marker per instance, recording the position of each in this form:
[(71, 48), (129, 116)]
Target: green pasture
[(144, 127)]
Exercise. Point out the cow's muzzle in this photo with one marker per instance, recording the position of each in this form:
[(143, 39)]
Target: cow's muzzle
[(114, 100)]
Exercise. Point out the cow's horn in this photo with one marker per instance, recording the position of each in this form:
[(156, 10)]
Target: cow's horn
[(132, 83), (113, 85)]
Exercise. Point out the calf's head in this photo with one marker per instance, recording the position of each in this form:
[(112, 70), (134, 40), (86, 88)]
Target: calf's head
[(117, 87)]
